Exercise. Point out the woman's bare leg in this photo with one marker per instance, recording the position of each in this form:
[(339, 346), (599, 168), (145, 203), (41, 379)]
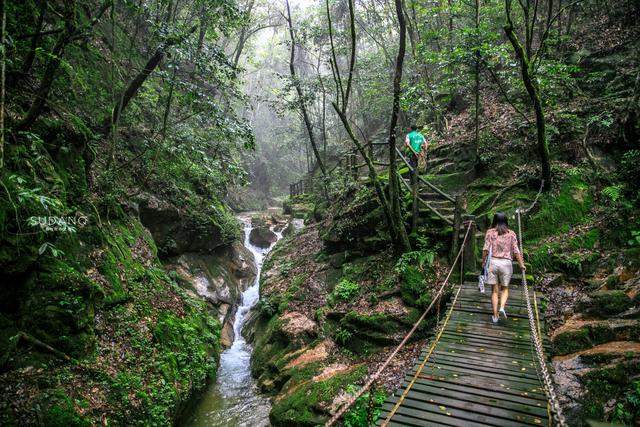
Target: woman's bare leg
[(494, 299), (504, 294)]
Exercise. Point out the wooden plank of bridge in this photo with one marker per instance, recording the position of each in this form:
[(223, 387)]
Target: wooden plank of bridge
[(480, 374)]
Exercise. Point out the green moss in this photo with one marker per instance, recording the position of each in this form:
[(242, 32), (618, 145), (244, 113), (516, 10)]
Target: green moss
[(613, 382), (62, 413), (606, 303), (560, 211), (299, 408), (572, 341)]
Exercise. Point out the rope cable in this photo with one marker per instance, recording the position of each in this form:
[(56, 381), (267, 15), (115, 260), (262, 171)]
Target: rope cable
[(534, 326)]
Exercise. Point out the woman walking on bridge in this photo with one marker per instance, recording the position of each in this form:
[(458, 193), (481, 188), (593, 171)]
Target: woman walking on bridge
[(500, 246)]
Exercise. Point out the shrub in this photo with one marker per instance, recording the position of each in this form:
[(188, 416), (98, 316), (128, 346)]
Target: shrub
[(416, 273), (345, 290)]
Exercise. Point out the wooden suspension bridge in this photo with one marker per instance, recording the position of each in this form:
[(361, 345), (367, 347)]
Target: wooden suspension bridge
[(473, 372), (477, 373)]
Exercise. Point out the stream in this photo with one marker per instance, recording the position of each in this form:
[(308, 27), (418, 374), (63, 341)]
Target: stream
[(234, 399)]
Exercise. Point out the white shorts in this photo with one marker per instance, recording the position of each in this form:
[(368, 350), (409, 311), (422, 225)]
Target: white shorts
[(500, 271)]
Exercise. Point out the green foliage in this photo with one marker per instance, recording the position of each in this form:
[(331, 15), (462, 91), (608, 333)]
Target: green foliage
[(62, 413), (612, 192), (342, 336), (614, 381), (417, 275), (628, 411), (358, 415), (345, 290)]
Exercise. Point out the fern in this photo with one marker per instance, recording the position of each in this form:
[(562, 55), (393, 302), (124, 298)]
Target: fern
[(612, 192)]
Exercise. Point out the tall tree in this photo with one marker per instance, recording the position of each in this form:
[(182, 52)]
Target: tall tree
[(68, 34), (527, 59), (299, 91), (394, 190)]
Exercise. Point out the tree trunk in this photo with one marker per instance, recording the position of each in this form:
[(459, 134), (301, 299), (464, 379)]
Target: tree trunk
[(373, 176), (55, 59), (31, 55), (296, 84), (138, 81), (402, 242), (48, 77), (477, 78), (534, 95)]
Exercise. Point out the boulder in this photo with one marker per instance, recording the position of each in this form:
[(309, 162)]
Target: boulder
[(296, 326), (605, 303), (262, 237), (220, 278), (176, 231)]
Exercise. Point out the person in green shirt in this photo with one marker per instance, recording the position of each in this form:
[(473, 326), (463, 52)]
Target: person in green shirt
[(417, 146)]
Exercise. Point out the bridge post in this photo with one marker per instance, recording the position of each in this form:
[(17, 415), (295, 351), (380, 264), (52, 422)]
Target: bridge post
[(457, 227), (469, 253)]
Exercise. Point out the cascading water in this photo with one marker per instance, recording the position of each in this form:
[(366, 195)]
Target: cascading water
[(234, 400)]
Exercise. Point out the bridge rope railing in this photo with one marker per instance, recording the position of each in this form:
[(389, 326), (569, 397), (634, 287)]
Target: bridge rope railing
[(534, 325), (435, 300)]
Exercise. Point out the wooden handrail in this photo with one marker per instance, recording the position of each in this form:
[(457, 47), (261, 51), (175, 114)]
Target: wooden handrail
[(433, 187), (425, 203)]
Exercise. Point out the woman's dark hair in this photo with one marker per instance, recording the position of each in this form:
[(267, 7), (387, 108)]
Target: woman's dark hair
[(500, 223), (414, 127)]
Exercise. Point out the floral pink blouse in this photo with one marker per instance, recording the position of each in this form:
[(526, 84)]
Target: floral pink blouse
[(504, 246)]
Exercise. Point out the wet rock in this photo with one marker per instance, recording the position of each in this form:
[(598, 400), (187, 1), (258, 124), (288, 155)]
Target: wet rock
[(262, 237), (175, 231), (227, 334), (220, 278)]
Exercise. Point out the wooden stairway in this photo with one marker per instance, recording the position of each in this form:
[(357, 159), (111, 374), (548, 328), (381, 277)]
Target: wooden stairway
[(433, 203), (479, 374)]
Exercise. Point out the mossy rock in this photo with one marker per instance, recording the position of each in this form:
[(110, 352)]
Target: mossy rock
[(59, 307), (614, 382), (595, 333), (572, 341), (303, 406), (356, 224), (560, 211), (606, 303)]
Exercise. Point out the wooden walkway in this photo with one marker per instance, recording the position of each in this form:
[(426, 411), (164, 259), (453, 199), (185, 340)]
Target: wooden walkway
[(479, 374)]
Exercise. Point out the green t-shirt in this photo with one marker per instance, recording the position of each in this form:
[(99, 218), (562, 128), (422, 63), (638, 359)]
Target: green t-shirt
[(416, 140)]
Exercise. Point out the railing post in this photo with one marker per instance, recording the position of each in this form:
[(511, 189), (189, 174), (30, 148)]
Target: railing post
[(457, 226), (469, 253)]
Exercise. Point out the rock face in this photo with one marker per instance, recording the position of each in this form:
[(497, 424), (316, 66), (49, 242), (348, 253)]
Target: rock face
[(596, 342), (319, 329), (298, 327), (262, 237), (220, 278), (177, 231)]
